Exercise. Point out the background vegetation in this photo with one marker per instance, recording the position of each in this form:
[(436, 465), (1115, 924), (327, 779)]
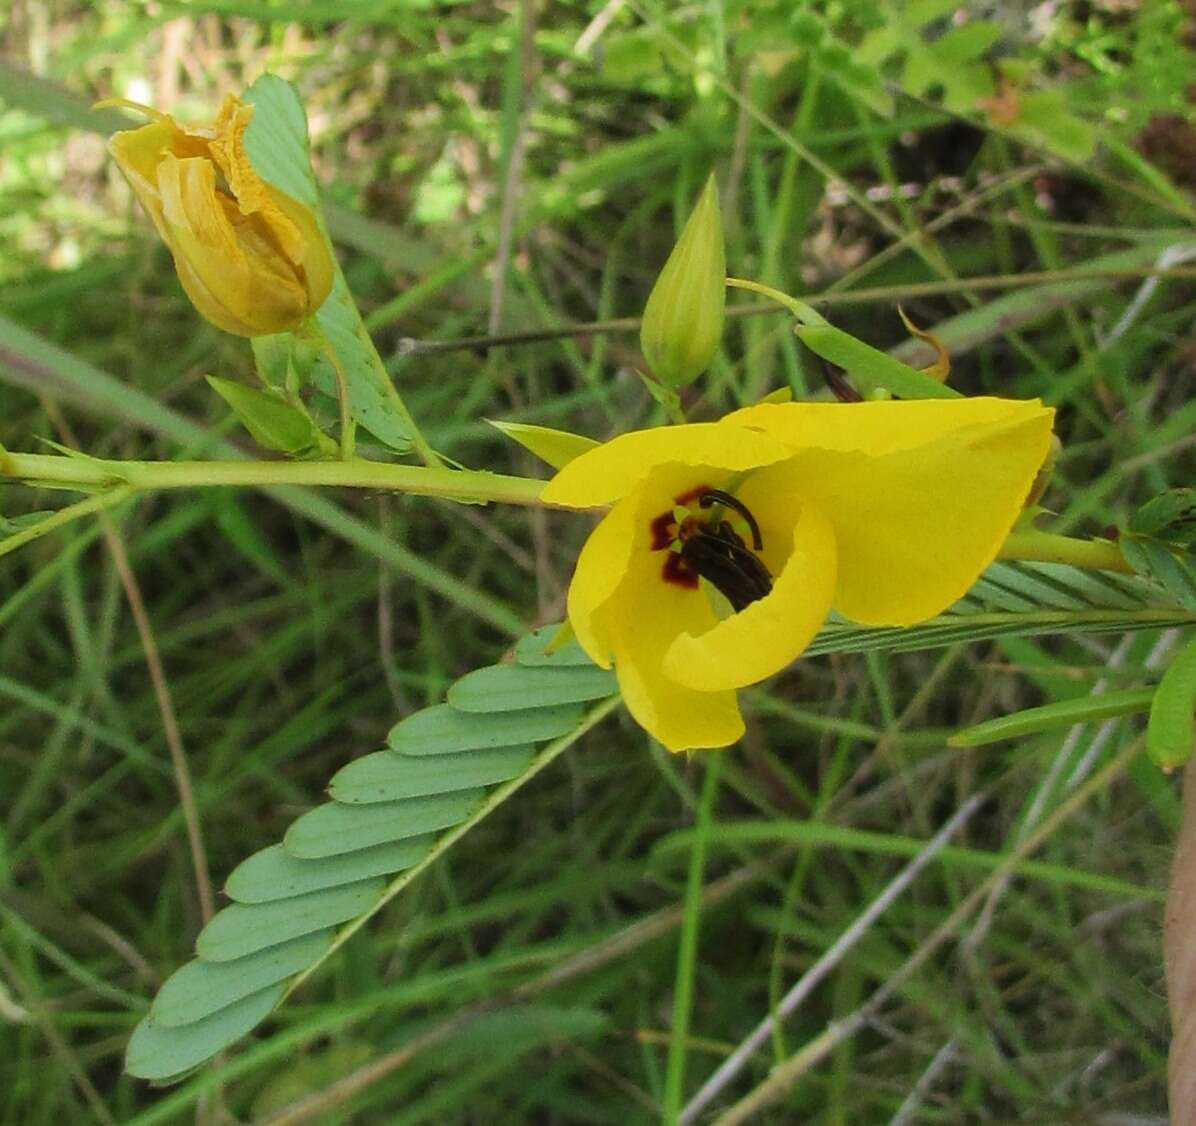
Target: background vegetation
[(497, 168)]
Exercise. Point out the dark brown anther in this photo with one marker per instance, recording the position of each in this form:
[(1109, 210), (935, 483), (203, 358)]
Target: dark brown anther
[(837, 382), (717, 496), (724, 561)]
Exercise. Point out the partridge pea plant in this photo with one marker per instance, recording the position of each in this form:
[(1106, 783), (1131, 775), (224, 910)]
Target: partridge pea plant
[(723, 549)]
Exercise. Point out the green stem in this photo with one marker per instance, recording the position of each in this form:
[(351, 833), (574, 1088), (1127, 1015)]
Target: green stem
[(687, 953), (1047, 547), (87, 474), (97, 503), (91, 473)]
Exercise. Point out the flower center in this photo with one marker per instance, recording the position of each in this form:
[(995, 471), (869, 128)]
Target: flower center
[(705, 544)]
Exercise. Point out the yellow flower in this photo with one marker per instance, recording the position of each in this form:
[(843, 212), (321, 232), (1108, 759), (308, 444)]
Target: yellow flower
[(252, 259), (729, 542)]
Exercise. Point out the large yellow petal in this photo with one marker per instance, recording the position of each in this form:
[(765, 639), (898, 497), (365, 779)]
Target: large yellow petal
[(915, 527), (879, 427), (766, 636), (601, 567), (613, 469), (645, 616)]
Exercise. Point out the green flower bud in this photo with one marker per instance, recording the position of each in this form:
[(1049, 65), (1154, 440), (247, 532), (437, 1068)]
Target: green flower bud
[(683, 320)]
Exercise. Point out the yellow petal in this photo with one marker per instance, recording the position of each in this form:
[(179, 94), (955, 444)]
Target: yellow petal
[(915, 527), (766, 636), (601, 567), (878, 427), (311, 257), (200, 235), (645, 617), (137, 153), (613, 469)]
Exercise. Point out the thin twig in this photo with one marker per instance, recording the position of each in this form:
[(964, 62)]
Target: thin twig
[(928, 1078), (785, 1074), (806, 984), (410, 346)]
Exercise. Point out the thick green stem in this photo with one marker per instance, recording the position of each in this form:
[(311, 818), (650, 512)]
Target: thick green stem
[(1047, 547), (89, 474), (86, 474)]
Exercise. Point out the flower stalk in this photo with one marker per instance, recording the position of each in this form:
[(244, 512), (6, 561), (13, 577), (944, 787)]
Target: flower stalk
[(87, 474), (106, 478)]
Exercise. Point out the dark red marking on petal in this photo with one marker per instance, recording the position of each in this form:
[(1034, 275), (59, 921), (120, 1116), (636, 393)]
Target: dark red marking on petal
[(678, 572), (693, 494), (664, 528)]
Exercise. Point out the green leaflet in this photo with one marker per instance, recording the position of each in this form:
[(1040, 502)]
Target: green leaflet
[(386, 777), (333, 829), (442, 730), (274, 874), (502, 688), (245, 928), (199, 989), (156, 1052), (276, 142)]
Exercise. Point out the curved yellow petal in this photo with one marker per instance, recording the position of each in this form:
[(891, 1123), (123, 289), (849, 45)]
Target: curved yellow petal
[(601, 567), (645, 616), (612, 470), (201, 238), (879, 427), (766, 636), (915, 527)]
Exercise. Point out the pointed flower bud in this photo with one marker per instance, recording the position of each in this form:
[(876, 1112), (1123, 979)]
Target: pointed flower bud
[(683, 320), (252, 259)]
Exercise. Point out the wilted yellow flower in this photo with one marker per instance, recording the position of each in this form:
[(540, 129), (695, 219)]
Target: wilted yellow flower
[(683, 320), (728, 543), (252, 259)]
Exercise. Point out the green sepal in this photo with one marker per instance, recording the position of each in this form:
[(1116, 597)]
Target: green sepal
[(556, 447), (274, 423)]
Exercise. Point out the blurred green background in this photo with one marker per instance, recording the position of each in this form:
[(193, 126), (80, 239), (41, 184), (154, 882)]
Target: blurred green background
[(507, 168)]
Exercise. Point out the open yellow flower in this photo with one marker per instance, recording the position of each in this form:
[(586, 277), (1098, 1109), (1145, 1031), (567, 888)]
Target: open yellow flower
[(252, 259), (729, 542)]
